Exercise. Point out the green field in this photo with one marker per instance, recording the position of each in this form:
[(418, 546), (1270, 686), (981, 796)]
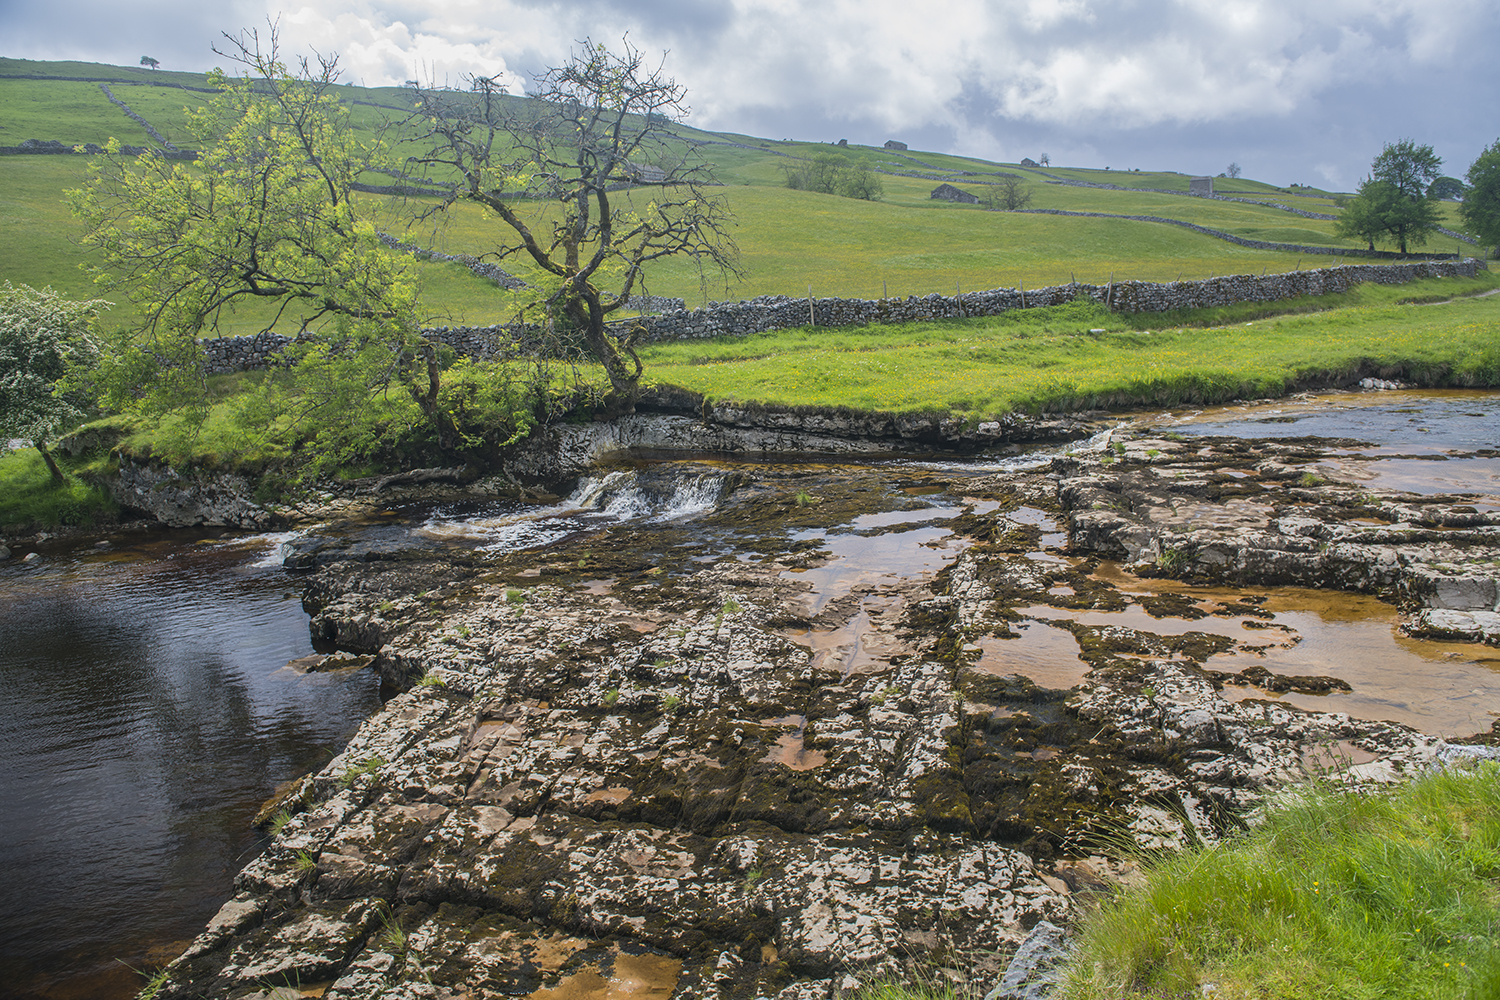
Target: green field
[(1049, 360), (904, 244), (790, 242)]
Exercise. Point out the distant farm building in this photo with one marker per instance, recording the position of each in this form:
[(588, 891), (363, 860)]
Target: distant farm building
[(1029, 162), (1203, 187), (894, 144), (947, 192), (645, 173)]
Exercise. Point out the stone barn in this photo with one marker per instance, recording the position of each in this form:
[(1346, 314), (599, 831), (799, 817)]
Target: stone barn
[(947, 192), (1203, 187), (894, 144)]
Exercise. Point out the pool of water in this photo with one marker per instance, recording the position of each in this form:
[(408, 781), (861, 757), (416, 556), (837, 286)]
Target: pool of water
[(145, 714), (1417, 440)]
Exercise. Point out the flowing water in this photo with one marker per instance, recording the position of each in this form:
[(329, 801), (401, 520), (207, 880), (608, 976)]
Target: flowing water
[(145, 709)]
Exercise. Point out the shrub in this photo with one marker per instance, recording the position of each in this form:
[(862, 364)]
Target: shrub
[(834, 173)]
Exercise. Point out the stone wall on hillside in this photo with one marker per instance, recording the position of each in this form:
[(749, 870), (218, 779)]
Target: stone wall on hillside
[(779, 312), (55, 147), (1219, 234)]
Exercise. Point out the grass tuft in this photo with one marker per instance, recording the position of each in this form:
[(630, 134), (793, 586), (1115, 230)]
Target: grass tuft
[(1339, 893)]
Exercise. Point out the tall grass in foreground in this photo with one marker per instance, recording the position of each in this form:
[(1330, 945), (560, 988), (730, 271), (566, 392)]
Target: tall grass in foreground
[(1339, 894)]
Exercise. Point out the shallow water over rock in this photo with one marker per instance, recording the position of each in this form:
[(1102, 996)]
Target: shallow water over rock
[(1417, 440), (736, 728)]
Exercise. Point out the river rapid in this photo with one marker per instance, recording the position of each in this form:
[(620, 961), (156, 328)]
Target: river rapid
[(148, 709)]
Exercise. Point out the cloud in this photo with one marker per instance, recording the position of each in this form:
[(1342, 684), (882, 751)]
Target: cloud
[(1104, 79)]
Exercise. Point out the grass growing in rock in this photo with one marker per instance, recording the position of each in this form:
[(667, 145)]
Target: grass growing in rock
[(1049, 360), (1338, 894)]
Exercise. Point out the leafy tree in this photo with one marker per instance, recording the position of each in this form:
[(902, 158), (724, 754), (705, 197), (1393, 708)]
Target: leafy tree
[(1446, 189), (589, 183), (1481, 207), (42, 336), (1366, 216), (148, 61), (1393, 202), (860, 182), (1408, 167), (264, 216), (835, 173)]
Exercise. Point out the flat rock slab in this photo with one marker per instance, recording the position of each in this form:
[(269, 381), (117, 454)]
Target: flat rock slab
[(667, 788)]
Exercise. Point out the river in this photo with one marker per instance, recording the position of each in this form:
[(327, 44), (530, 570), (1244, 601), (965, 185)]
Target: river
[(145, 713), (146, 710)]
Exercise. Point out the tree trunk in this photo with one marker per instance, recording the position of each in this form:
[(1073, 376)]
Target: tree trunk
[(427, 401), (585, 312), (57, 476)]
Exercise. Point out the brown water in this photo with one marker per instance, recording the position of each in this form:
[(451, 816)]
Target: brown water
[(145, 714), (1438, 687), (1446, 688), (617, 975)]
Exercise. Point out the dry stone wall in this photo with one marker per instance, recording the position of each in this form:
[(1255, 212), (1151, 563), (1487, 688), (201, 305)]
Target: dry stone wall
[(780, 312), (1219, 234), (56, 147), (143, 123)]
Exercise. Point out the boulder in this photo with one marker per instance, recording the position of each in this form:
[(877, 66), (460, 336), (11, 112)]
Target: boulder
[(1033, 972)]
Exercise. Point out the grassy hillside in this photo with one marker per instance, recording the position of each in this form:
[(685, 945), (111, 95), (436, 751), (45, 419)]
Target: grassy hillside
[(905, 244)]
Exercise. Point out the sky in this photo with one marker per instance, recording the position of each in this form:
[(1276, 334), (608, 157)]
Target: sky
[(1293, 91)]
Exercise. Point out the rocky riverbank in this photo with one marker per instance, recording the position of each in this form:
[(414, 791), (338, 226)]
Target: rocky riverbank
[(617, 764), (672, 421)]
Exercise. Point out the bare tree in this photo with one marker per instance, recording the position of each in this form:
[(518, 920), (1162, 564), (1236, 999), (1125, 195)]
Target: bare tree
[(1044, 160), (591, 184), (1007, 194), (1233, 170)]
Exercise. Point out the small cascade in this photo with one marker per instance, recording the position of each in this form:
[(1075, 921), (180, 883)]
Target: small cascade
[(650, 496), (663, 495)]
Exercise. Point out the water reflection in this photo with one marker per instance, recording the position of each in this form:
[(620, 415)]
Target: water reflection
[(1445, 438), (143, 718)]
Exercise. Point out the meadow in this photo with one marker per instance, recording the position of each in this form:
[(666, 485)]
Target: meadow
[(1081, 356), (795, 242), (790, 241)]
